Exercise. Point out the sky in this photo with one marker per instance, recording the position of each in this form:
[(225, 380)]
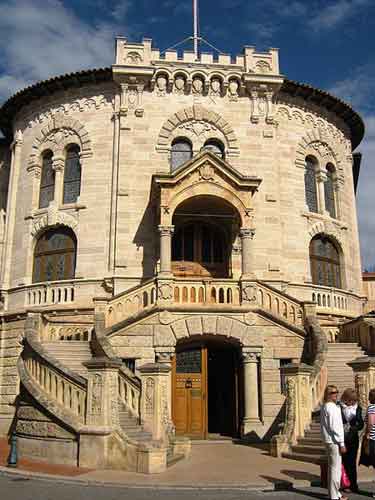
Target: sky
[(326, 43)]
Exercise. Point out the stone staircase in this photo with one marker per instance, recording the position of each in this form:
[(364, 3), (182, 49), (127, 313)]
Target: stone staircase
[(129, 424), (71, 353), (310, 448)]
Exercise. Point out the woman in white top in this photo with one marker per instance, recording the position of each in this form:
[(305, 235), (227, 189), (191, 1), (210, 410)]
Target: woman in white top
[(332, 430)]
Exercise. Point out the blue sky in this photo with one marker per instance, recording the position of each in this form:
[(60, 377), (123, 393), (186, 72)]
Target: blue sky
[(326, 43)]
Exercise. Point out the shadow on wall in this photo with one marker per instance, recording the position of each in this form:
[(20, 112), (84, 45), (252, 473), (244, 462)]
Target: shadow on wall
[(146, 238)]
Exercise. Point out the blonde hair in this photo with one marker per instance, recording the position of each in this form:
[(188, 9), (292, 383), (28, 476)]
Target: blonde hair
[(349, 395), (328, 391)]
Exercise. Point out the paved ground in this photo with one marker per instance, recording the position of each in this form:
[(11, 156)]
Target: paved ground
[(33, 489), (212, 464)]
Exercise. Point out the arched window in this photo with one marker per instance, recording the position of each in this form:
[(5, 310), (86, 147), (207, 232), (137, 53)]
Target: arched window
[(72, 175), (325, 262), (181, 152), (215, 146), (55, 255), (310, 184), (47, 180), (329, 191)]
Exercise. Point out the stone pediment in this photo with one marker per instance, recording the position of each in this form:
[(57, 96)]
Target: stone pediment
[(205, 175)]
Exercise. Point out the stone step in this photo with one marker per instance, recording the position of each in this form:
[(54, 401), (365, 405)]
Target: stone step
[(173, 459), (308, 449), (304, 457), (311, 441)]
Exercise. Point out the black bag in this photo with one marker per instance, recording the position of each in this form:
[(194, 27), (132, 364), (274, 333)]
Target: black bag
[(365, 457)]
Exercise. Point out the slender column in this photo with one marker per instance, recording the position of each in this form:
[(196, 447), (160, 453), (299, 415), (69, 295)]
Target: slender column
[(11, 206), (251, 389), (321, 178), (247, 236), (58, 166), (115, 179), (166, 251), (337, 200)]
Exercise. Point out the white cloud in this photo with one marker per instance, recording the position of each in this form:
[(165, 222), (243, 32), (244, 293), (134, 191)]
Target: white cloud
[(43, 38), (334, 14), (357, 89)]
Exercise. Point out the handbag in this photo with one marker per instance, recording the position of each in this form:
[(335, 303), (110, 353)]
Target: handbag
[(365, 452), (345, 482)]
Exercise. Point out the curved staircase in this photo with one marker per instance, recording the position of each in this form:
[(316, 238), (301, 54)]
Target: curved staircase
[(310, 447)]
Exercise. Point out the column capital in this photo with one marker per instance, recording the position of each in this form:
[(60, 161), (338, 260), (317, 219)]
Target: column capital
[(58, 163), (165, 230), (247, 232), (321, 176), (250, 356), (164, 357)]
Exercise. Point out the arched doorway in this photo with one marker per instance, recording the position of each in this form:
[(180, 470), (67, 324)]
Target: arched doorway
[(205, 228), (206, 387)]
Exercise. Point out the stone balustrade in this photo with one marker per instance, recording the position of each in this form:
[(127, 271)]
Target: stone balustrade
[(129, 393), (49, 293), (206, 292), (57, 387)]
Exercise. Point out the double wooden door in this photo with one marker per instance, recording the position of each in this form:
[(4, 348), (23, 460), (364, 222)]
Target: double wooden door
[(190, 392)]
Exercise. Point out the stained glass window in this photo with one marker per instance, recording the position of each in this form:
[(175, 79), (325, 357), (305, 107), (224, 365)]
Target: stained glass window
[(72, 175), (215, 147), (329, 191), (325, 262), (310, 185), (47, 181), (55, 256), (181, 152)]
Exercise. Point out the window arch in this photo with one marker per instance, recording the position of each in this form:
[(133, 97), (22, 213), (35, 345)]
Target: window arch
[(55, 255), (215, 146), (47, 180), (72, 174), (329, 191), (311, 194), (325, 262), (181, 152)]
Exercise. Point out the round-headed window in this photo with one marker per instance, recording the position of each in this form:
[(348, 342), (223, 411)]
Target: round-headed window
[(325, 262)]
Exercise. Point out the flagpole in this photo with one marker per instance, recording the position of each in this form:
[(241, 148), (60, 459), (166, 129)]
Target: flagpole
[(195, 15)]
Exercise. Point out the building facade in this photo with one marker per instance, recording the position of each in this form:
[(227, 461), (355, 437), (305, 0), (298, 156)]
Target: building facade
[(167, 227)]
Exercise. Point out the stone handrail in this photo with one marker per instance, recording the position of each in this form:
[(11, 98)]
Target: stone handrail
[(130, 302), (274, 301), (63, 387), (50, 293)]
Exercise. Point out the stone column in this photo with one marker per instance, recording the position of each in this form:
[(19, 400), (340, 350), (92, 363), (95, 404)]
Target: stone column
[(251, 417), (15, 168), (154, 399), (58, 166), (247, 236), (321, 177), (166, 251)]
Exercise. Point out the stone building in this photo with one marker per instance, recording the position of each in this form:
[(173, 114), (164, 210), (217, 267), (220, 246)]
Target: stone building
[(173, 233)]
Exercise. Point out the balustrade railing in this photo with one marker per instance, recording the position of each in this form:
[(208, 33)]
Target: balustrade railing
[(129, 393), (59, 388), (279, 304), (48, 294), (206, 292)]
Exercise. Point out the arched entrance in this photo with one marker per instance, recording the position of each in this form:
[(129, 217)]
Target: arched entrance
[(206, 387), (205, 228)]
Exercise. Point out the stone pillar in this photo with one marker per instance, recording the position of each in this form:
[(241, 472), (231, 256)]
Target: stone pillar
[(251, 418), (247, 236), (364, 376), (58, 166), (102, 413), (164, 357), (154, 400), (321, 177), (166, 251), (15, 169)]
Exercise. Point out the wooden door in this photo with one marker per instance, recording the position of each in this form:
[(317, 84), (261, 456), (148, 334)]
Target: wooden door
[(189, 406)]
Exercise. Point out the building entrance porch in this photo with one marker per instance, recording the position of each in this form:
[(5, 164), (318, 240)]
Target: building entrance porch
[(207, 388)]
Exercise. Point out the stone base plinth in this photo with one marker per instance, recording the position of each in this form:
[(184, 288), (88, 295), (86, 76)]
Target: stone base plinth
[(152, 460)]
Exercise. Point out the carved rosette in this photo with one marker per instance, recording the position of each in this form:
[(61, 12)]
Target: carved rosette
[(249, 294), (165, 291)]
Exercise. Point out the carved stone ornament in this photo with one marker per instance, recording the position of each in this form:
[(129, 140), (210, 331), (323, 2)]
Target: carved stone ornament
[(96, 397), (179, 85), (41, 429), (250, 318), (133, 58), (360, 385), (107, 285), (166, 317), (197, 127), (197, 86), (322, 149), (149, 396), (164, 357), (263, 67), (250, 357), (233, 89), (161, 85), (207, 172), (249, 293), (165, 291), (53, 217)]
